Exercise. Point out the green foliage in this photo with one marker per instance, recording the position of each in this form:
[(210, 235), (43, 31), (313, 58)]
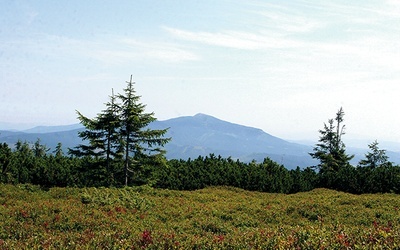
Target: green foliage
[(211, 218), (305, 180), (126, 197), (331, 151), (139, 140), (121, 129), (5, 159), (377, 157), (334, 168), (267, 176), (22, 166)]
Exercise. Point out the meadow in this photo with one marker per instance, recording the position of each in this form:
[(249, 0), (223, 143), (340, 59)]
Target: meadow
[(212, 218)]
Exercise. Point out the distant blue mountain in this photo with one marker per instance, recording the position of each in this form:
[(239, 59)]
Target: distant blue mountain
[(198, 135), (52, 129), (69, 139), (203, 134)]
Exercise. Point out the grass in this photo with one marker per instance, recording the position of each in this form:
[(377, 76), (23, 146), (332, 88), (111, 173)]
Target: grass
[(211, 218)]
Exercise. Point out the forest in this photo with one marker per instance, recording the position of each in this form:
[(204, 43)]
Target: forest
[(118, 149)]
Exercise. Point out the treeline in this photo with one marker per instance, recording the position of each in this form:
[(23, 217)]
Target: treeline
[(270, 176), (212, 170), (34, 164), (120, 149)]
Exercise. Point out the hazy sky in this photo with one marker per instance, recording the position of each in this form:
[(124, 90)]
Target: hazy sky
[(283, 66)]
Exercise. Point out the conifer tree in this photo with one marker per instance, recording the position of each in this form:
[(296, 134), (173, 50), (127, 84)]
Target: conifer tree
[(121, 131), (377, 157), (331, 151), (58, 152), (25, 162), (5, 159), (109, 122), (102, 133), (139, 140), (39, 150)]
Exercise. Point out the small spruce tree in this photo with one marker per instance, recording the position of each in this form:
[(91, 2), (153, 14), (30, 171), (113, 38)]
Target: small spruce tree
[(376, 157), (331, 151), (335, 170)]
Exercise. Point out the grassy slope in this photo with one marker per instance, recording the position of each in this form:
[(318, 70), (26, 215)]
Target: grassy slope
[(212, 218)]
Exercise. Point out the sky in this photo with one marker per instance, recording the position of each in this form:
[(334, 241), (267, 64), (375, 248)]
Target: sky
[(285, 67)]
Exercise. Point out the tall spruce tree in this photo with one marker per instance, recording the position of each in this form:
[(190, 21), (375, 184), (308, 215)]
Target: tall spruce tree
[(139, 140), (109, 121), (121, 132), (331, 151)]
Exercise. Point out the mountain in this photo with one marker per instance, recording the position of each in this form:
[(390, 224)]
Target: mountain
[(68, 138), (191, 136), (199, 135), (203, 134), (52, 129)]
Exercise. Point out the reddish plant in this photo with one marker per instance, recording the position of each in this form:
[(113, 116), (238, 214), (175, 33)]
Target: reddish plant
[(146, 238), (219, 238), (24, 214), (120, 210)]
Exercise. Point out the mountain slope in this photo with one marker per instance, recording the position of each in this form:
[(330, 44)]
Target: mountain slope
[(203, 134), (207, 131), (199, 135)]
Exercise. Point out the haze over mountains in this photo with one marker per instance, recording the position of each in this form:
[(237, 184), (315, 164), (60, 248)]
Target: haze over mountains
[(199, 135)]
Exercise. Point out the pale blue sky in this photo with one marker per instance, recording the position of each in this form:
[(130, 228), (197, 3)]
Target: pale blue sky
[(283, 66)]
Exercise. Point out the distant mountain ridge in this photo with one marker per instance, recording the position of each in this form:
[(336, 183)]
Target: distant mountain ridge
[(203, 134), (52, 129), (196, 135), (69, 138)]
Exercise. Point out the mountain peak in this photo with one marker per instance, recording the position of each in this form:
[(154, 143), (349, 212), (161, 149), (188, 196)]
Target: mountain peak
[(201, 115)]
